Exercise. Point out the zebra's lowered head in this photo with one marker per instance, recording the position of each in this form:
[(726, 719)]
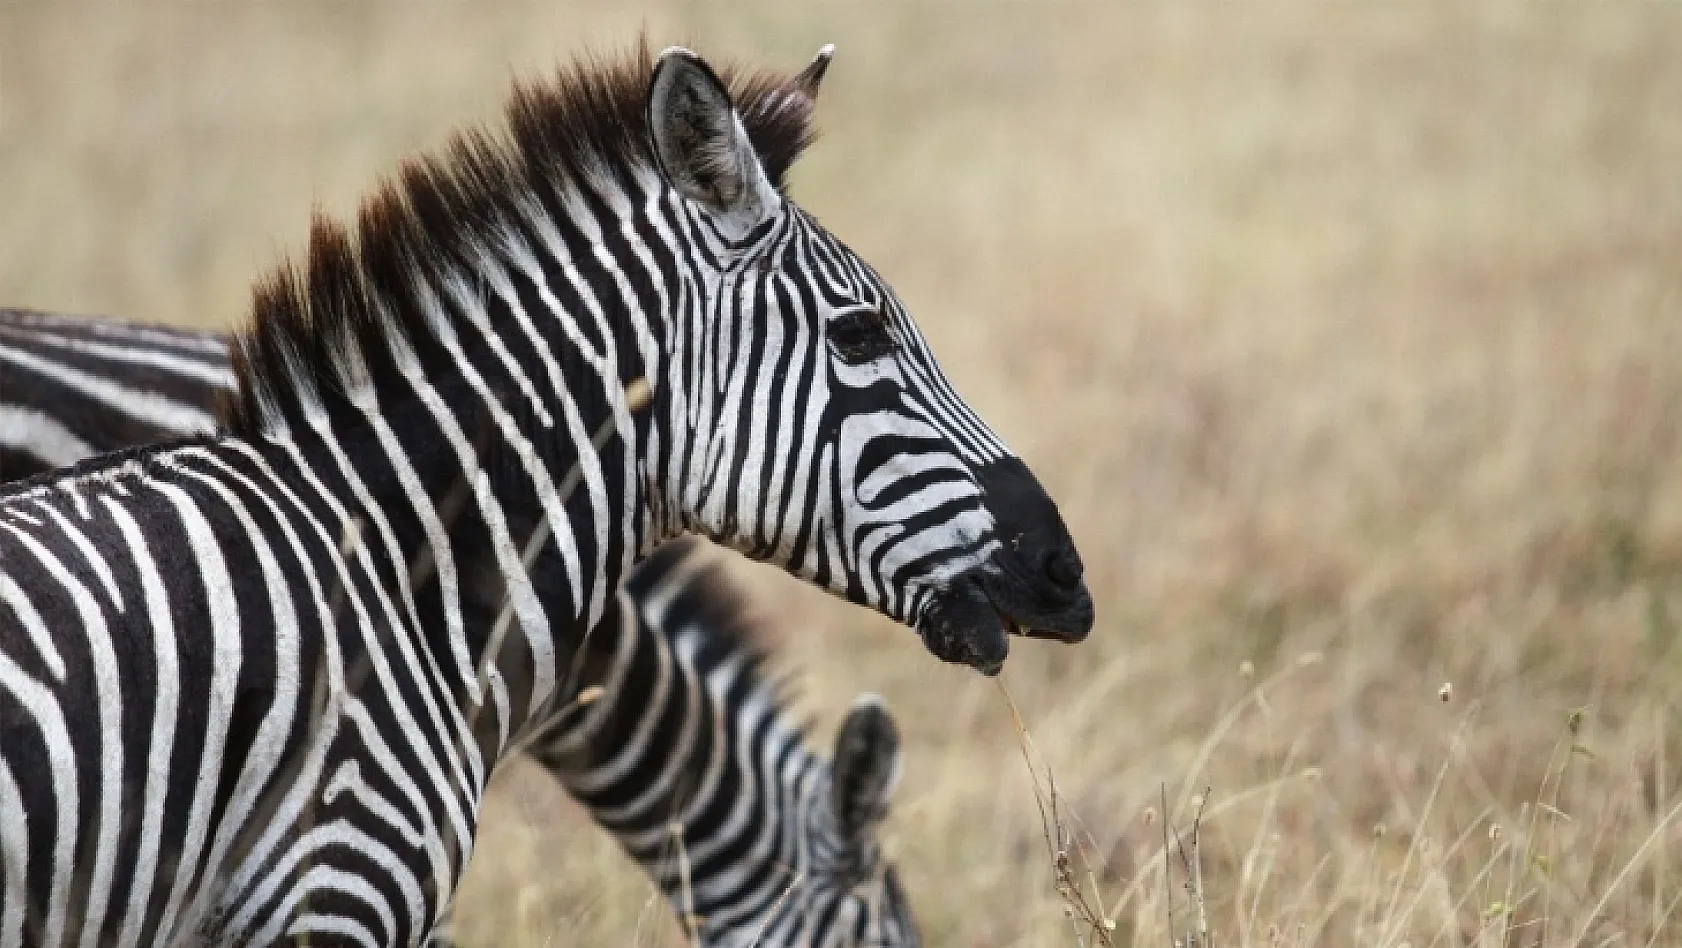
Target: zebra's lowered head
[(822, 434), (840, 889)]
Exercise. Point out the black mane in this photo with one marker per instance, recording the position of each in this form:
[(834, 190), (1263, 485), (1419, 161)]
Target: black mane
[(319, 329)]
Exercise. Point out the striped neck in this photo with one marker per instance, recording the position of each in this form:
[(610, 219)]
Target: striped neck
[(498, 457)]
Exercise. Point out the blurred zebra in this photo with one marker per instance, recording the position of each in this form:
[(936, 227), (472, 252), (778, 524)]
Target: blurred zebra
[(683, 729), (691, 762), (71, 388), (252, 684)]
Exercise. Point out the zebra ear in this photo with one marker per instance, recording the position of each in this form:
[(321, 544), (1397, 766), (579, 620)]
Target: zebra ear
[(701, 146), (866, 767), (811, 77)]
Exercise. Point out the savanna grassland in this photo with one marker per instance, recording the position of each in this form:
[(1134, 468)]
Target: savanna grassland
[(1347, 335)]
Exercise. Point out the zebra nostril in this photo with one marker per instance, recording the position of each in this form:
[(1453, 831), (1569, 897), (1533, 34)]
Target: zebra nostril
[(1063, 569)]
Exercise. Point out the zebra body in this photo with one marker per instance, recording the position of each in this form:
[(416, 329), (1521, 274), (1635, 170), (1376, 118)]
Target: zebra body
[(252, 685), (676, 688)]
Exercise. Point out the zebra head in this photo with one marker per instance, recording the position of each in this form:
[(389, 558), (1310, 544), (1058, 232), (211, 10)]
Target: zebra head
[(841, 891), (820, 433)]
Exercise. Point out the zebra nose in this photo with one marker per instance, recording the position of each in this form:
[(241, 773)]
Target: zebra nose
[(1063, 568)]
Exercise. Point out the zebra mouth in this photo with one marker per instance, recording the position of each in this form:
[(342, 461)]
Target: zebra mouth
[(1023, 629), (971, 622)]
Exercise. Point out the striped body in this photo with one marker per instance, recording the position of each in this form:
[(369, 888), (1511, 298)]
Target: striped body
[(252, 685), (683, 727)]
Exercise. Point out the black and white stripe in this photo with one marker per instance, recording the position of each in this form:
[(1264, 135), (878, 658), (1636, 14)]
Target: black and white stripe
[(682, 728), (72, 387), (691, 761), (252, 685)]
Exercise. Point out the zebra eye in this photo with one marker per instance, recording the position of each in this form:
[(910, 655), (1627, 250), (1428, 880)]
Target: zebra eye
[(861, 335)]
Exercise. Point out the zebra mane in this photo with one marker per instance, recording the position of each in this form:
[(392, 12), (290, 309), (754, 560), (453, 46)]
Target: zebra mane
[(323, 329)]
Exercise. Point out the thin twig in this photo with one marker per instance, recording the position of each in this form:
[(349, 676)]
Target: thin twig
[(1195, 877), (1167, 866)]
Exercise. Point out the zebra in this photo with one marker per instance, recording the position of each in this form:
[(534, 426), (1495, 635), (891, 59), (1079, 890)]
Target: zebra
[(73, 387), (710, 787), (773, 855), (295, 649)]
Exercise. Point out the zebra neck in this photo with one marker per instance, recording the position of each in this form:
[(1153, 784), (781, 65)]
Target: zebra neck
[(509, 372), (505, 533)]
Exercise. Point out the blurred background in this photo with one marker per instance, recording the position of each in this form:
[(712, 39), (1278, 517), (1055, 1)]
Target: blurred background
[(1346, 336)]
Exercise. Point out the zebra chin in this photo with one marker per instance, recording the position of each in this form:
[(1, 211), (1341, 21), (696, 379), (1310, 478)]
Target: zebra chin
[(972, 620)]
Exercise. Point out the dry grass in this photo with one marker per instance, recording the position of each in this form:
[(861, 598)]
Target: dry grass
[(1346, 334)]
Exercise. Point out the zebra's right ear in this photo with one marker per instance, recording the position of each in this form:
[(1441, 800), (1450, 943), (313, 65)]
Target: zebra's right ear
[(865, 769), (701, 146)]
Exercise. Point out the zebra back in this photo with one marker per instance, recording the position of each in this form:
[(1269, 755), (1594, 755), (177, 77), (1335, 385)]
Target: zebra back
[(73, 387)]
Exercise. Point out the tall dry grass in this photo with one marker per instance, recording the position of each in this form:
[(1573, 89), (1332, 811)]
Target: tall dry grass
[(1347, 336)]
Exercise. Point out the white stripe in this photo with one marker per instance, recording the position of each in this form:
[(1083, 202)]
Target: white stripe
[(30, 617), (264, 756), (408, 659), (716, 713), (14, 855), (374, 741), (101, 568), (347, 778), (750, 718), (43, 708), (150, 407), (216, 375), (108, 693), (166, 693), (307, 851), (568, 741), (604, 364), (325, 730), (437, 537), (539, 638), (191, 339), (226, 656), (473, 305), (41, 435), (627, 755)]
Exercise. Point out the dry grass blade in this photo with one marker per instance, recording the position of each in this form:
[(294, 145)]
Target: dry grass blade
[(1060, 842), (776, 907)]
